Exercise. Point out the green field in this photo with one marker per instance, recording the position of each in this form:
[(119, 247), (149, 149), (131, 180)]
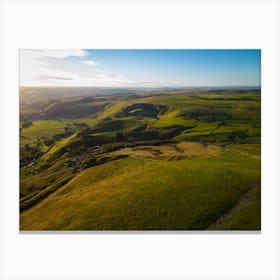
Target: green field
[(166, 160)]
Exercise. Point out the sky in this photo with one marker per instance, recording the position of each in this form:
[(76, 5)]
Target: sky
[(139, 68)]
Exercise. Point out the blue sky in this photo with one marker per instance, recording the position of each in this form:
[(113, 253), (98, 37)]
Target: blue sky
[(140, 68)]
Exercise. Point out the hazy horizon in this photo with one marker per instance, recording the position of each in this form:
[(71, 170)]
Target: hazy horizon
[(148, 88), (140, 68)]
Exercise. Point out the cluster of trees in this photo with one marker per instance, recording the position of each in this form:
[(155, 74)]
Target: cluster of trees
[(238, 137), (25, 124), (29, 154)]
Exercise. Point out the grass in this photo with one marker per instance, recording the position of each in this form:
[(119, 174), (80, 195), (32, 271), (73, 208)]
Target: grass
[(246, 214), (109, 197), (166, 160), (58, 146), (42, 128), (111, 110), (169, 121)]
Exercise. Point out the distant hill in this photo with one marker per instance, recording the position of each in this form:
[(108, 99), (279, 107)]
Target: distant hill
[(39, 93)]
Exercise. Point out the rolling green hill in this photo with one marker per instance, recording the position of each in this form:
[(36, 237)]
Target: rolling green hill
[(173, 160)]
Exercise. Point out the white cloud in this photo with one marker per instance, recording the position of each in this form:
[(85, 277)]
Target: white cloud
[(143, 83), (55, 75), (48, 66), (105, 75), (90, 62), (33, 53), (57, 68)]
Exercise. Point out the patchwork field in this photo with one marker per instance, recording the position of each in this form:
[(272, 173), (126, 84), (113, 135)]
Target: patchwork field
[(161, 160)]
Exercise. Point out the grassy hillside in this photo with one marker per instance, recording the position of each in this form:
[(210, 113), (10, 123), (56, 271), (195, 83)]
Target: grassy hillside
[(181, 194), (157, 160)]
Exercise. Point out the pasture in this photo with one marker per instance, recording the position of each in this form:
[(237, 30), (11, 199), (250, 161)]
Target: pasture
[(164, 160)]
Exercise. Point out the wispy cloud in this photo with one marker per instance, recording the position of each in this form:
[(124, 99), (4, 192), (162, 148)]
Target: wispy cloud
[(104, 74), (90, 62), (34, 53), (45, 77), (56, 67), (55, 76), (110, 75), (50, 66), (147, 83), (139, 68)]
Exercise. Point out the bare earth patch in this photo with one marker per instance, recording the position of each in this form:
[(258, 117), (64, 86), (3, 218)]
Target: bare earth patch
[(171, 151)]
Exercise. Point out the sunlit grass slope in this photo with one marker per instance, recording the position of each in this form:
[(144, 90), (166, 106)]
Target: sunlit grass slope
[(137, 193), (182, 159), (42, 128)]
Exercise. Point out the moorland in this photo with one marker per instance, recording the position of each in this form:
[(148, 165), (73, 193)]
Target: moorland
[(187, 159)]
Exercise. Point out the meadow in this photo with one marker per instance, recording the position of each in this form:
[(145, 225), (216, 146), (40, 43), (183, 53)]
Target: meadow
[(153, 160)]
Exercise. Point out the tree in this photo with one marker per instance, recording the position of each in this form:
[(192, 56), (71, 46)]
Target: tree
[(120, 137), (26, 124)]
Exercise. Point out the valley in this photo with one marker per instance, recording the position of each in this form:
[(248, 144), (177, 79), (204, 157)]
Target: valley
[(185, 159)]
